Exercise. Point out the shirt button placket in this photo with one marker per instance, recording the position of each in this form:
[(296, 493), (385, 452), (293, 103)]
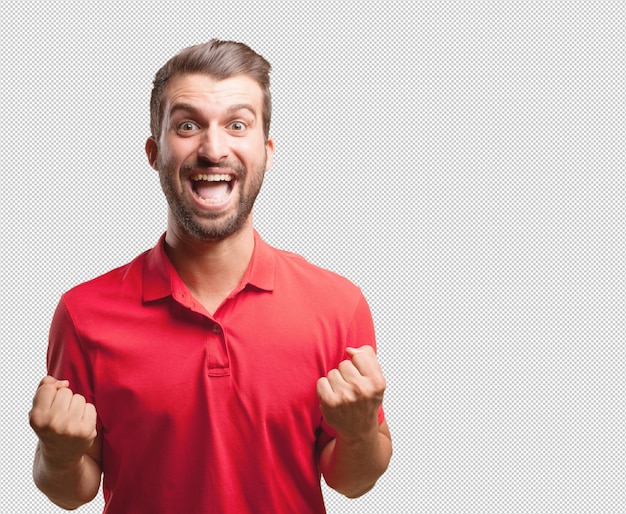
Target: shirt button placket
[(217, 355)]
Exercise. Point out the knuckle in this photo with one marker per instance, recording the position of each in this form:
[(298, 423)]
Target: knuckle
[(78, 400), (37, 418), (81, 431), (42, 391), (344, 365), (334, 373), (369, 388), (64, 394), (347, 395), (379, 383), (58, 424), (71, 429), (46, 387)]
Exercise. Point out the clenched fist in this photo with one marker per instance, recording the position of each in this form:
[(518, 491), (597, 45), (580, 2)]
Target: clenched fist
[(351, 394), (64, 422)]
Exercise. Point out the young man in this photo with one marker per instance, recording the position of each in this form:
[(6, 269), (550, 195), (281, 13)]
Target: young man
[(214, 373)]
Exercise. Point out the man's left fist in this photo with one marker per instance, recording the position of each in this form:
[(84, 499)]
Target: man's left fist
[(351, 395)]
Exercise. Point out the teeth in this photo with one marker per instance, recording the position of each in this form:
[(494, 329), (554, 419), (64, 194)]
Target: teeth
[(211, 178), (212, 201)]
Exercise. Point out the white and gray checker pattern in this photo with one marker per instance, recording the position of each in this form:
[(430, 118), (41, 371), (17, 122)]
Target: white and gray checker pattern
[(463, 162)]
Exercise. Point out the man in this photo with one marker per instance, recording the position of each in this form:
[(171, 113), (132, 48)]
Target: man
[(212, 374)]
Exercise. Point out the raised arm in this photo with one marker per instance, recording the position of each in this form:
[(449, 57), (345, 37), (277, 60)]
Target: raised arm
[(350, 398), (67, 460)]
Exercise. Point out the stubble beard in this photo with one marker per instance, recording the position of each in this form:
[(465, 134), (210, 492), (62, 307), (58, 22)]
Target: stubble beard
[(209, 226)]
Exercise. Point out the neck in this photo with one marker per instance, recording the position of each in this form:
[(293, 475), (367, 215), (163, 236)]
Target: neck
[(210, 269)]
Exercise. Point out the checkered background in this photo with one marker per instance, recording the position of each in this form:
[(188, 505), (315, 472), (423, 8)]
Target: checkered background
[(462, 162)]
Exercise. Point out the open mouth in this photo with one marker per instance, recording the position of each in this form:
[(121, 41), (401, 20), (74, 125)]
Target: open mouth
[(212, 188)]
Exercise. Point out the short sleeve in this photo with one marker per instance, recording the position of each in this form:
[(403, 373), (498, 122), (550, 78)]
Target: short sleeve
[(67, 357)]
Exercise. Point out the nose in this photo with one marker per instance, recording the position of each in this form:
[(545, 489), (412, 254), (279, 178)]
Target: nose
[(213, 145)]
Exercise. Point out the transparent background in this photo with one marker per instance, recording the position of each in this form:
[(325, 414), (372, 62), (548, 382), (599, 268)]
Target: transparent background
[(462, 162)]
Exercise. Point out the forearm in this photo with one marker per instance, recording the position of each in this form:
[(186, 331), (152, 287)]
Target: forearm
[(353, 467), (68, 486)]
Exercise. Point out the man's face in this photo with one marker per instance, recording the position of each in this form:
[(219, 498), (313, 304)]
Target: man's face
[(211, 154)]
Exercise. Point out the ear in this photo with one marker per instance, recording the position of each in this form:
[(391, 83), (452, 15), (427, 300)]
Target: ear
[(269, 148), (152, 152)]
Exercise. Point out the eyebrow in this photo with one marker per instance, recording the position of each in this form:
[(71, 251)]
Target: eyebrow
[(182, 107), (242, 107), (192, 109)]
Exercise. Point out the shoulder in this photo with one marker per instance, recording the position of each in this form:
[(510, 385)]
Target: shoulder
[(297, 274), (108, 285), (323, 301), (294, 263)]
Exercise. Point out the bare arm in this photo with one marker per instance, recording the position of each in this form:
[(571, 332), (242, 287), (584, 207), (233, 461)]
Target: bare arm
[(350, 397), (67, 460), (353, 467)]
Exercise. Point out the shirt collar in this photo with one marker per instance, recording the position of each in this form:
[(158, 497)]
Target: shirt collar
[(160, 278)]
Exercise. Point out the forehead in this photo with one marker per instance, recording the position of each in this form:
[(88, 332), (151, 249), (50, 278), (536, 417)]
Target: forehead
[(206, 91)]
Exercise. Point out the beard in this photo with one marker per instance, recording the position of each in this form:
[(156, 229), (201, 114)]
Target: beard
[(211, 226)]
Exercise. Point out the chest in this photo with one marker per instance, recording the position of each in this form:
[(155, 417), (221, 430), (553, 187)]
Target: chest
[(173, 365)]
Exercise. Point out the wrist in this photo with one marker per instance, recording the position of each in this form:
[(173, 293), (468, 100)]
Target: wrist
[(364, 436), (57, 461)]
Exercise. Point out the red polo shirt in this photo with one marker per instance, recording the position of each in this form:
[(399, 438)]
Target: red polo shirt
[(208, 414)]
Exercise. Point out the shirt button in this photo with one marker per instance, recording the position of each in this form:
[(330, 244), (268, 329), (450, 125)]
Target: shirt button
[(216, 329)]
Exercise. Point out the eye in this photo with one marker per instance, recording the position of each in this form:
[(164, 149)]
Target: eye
[(187, 126), (237, 126)]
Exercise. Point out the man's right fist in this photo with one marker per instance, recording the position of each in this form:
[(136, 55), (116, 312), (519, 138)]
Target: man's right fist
[(64, 422)]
